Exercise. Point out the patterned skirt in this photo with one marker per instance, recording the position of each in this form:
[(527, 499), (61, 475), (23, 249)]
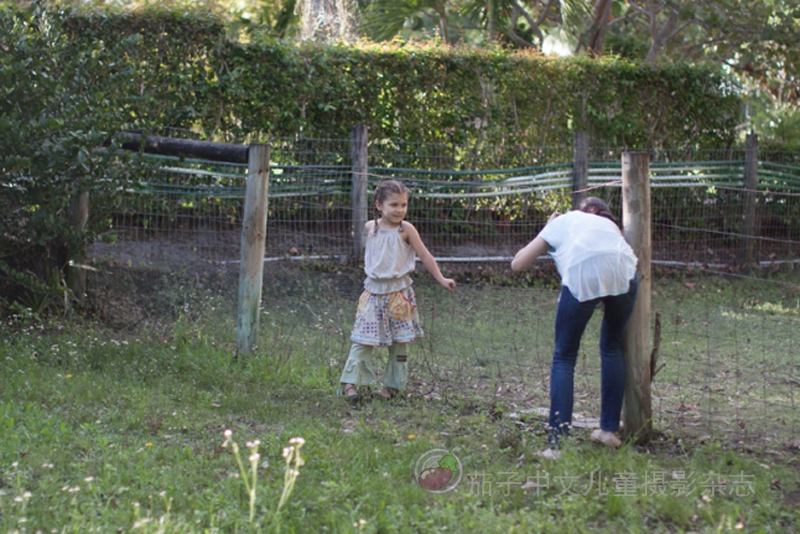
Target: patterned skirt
[(385, 319)]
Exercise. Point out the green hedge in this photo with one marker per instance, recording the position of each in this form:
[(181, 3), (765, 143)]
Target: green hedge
[(196, 76)]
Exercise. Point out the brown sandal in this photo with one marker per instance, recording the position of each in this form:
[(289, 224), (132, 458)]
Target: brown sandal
[(349, 392), (387, 393)]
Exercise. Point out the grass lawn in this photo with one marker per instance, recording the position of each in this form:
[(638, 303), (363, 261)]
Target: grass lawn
[(116, 424)]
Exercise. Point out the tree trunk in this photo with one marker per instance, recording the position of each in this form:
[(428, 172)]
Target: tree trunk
[(441, 12), (602, 12), (492, 21), (580, 168), (659, 37)]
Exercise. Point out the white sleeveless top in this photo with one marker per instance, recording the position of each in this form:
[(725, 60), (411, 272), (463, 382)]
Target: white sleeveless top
[(591, 255), (388, 260)]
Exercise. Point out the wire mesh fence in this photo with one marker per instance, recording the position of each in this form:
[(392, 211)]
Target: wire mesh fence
[(468, 204), (730, 370), (726, 372)]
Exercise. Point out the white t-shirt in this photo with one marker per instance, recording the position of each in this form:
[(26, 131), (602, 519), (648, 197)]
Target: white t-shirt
[(591, 255), (388, 260)]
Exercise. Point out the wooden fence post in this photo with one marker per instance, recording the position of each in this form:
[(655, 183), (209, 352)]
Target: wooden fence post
[(750, 186), (637, 414), (78, 212), (358, 200), (580, 168), (254, 231)]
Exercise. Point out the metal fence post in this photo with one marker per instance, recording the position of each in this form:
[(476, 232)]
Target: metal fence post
[(254, 232), (637, 415), (580, 168), (749, 226), (358, 154)]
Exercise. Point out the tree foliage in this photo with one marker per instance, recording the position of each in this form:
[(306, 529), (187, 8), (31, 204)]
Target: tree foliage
[(414, 92), (60, 102), (759, 41)]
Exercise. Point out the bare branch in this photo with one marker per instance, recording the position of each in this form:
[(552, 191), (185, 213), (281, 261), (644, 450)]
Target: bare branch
[(666, 30), (588, 24), (689, 50), (512, 33), (659, 37), (623, 18), (637, 9), (546, 10), (651, 13), (679, 29), (736, 30), (519, 41), (519, 10)]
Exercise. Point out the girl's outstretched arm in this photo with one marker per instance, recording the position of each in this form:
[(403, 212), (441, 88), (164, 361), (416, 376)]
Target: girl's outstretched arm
[(526, 256), (426, 257)]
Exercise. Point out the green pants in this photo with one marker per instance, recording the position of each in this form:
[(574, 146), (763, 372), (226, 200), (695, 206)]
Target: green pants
[(358, 368)]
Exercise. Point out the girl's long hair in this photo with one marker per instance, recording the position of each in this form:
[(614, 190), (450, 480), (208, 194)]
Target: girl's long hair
[(597, 206)]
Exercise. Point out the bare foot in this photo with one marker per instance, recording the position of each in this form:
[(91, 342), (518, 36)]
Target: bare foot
[(609, 439)]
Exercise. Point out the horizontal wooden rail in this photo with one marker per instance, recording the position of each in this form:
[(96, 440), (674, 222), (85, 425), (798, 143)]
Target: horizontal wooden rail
[(167, 146)]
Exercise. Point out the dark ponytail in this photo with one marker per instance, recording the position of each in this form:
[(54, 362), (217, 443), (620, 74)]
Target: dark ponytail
[(597, 206)]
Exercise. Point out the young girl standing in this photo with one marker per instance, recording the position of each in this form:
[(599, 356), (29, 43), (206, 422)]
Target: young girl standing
[(387, 311)]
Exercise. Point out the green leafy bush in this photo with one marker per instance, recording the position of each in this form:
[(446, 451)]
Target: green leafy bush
[(201, 78), (60, 103)]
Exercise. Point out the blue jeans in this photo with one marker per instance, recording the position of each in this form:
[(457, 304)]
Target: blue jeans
[(572, 316)]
